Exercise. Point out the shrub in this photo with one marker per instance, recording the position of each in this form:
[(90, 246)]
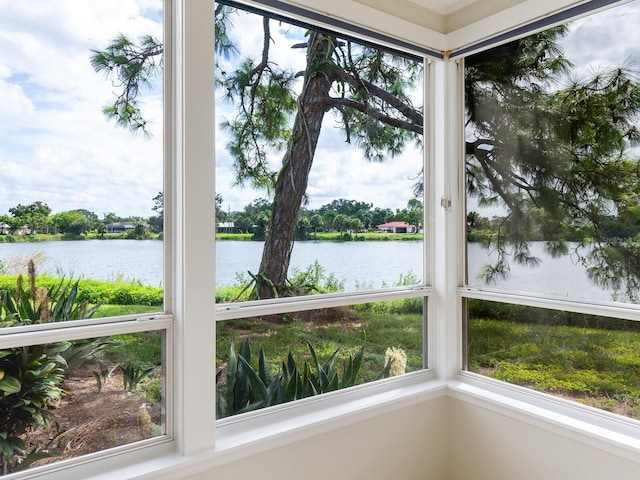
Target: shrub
[(98, 292), (31, 379), (31, 376)]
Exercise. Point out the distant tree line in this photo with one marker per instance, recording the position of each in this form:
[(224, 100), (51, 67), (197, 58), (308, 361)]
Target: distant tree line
[(623, 226), (341, 216), (37, 218)]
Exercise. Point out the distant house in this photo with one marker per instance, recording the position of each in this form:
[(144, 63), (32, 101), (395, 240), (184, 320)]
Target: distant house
[(120, 227), (397, 227), (23, 230), (6, 230), (226, 227)]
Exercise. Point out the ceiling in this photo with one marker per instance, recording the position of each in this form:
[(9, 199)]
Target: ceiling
[(443, 16), (442, 25), (443, 6)]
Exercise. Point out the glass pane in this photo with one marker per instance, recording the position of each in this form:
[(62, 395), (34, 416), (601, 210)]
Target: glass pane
[(68, 399), (388, 336), (586, 358), (87, 190), (315, 199), (552, 161)]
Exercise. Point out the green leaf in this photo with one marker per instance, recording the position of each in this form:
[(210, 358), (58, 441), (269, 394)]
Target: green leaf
[(263, 368), (259, 389), (59, 347), (232, 372), (10, 385), (245, 350)]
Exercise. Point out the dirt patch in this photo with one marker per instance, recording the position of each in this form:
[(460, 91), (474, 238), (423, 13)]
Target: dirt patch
[(92, 421)]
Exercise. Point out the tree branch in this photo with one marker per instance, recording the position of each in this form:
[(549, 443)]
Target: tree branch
[(358, 83), (341, 103)]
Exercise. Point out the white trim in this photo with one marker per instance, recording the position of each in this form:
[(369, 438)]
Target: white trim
[(511, 19), (21, 339), (448, 201), (250, 434), (138, 458), (354, 12), (244, 436), (428, 198), (624, 311), (229, 311), (608, 432), (87, 322), (193, 212)]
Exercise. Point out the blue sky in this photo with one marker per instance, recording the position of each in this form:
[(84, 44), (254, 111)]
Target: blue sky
[(56, 146)]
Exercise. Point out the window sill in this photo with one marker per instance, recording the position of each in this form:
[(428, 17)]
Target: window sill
[(256, 432), (603, 430), (249, 434), (317, 414)]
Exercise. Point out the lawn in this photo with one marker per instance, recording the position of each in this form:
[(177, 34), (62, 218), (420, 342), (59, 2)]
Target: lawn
[(595, 366), (348, 330), (592, 360)]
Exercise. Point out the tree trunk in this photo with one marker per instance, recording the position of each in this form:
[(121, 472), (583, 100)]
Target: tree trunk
[(292, 180)]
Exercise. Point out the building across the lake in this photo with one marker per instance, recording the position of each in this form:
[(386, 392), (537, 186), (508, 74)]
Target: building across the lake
[(397, 227), (5, 229), (120, 227), (226, 227)]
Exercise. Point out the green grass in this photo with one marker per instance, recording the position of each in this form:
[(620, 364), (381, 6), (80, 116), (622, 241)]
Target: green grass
[(143, 348), (117, 310), (595, 366), (590, 359), (375, 331)]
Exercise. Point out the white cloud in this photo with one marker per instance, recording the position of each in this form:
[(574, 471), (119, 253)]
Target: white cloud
[(14, 101), (55, 144), (606, 39)]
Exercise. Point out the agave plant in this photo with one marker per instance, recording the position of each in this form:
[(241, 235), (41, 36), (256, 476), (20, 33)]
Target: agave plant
[(247, 389), (318, 378), (41, 305)]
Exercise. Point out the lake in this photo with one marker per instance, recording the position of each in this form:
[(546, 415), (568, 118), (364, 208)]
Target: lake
[(358, 264)]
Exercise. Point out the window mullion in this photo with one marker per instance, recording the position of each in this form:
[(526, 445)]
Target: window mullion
[(193, 234)]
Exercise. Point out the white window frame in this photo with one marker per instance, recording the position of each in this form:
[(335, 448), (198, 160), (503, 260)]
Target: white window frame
[(254, 427), (608, 431), (198, 443), (194, 441)]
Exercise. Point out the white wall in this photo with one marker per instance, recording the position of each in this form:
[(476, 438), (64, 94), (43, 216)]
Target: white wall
[(406, 444), (444, 438), (484, 445)]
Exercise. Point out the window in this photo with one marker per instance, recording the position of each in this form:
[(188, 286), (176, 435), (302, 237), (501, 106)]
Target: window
[(324, 135), (83, 336), (552, 227)]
